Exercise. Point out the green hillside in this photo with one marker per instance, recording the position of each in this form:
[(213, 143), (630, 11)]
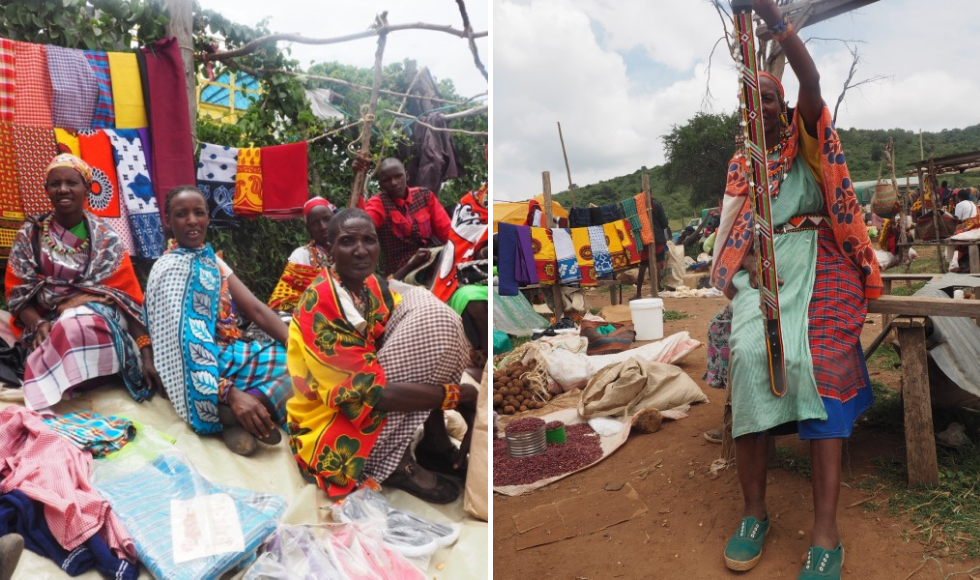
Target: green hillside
[(862, 146)]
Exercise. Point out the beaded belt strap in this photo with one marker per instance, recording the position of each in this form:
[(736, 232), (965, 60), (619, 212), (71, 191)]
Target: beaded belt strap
[(801, 223)]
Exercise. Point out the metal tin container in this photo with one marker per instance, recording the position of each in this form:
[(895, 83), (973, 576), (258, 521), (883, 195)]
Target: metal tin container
[(526, 444)]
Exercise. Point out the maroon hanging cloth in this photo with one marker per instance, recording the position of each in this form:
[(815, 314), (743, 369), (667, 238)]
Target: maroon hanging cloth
[(167, 112), (285, 181)]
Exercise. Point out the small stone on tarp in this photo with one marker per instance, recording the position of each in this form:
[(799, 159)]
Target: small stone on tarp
[(647, 421)]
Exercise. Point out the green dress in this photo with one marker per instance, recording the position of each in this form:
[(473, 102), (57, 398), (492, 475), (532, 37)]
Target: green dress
[(754, 407)]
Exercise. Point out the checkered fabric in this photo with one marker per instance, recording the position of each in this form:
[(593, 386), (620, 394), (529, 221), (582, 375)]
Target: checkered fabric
[(74, 88), (8, 77), (33, 85), (424, 343), (98, 434), (837, 312), (105, 115)]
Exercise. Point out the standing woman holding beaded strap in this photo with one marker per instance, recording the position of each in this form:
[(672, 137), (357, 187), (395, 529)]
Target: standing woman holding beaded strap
[(75, 299), (827, 271)]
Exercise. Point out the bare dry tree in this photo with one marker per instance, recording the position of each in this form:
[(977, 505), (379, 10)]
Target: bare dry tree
[(849, 81)]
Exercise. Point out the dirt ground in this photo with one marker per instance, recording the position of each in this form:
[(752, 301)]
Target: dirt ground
[(691, 514)]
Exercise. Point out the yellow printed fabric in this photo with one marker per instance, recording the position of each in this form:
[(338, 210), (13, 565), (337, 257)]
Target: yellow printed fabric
[(624, 234), (620, 261), (337, 383), (127, 90), (248, 182), (583, 253), (67, 142), (545, 260)]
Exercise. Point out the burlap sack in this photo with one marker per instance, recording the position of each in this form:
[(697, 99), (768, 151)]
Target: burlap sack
[(476, 500), (627, 387)]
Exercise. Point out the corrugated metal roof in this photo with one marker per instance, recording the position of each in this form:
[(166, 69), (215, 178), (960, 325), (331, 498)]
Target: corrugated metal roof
[(954, 343)]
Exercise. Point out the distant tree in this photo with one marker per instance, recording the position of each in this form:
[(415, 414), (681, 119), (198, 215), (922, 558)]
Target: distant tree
[(697, 156)]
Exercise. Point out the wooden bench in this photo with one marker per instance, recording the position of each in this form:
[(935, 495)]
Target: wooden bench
[(910, 314)]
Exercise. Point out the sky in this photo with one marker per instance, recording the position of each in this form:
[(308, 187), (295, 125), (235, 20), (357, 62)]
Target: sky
[(619, 74), (446, 56)]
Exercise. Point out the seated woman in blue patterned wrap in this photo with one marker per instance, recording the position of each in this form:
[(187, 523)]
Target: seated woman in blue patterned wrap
[(216, 382)]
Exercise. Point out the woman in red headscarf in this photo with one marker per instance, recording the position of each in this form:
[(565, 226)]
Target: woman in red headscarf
[(307, 261), (827, 271)]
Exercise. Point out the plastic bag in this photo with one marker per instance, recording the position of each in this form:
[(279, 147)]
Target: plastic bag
[(296, 553), (183, 525), (413, 537)]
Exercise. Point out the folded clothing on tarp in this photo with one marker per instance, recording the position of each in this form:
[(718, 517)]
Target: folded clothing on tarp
[(20, 515), (184, 526)]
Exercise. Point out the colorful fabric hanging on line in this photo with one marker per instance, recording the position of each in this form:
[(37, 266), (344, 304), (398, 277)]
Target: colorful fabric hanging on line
[(625, 234), (515, 260), (8, 80), (104, 115), (545, 261), (35, 147), (169, 118), (568, 270), (583, 254), (631, 216), (103, 200), (646, 228), (67, 141), (11, 210), (33, 85), (137, 192), (579, 217), (74, 89), (616, 251), (285, 181), (600, 251), (248, 183), (216, 169), (127, 90)]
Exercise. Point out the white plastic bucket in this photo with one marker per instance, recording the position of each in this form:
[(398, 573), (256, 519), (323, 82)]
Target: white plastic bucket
[(648, 318)]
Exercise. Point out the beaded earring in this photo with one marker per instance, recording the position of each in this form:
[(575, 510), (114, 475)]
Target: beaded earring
[(784, 131)]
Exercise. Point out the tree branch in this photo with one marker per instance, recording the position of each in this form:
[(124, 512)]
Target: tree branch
[(254, 45), (360, 178), (848, 84), (468, 29)]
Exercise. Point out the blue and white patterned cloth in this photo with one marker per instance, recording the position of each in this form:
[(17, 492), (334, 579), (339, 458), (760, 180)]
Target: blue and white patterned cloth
[(216, 171), (134, 183), (568, 270), (600, 251)]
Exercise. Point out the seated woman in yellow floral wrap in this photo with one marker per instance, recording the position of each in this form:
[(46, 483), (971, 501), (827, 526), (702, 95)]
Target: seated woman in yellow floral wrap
[(355, 406)]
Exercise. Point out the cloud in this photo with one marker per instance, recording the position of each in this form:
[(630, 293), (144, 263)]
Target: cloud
[(558, 60)]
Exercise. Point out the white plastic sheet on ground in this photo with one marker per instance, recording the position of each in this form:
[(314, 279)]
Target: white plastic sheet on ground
[(271, 470)]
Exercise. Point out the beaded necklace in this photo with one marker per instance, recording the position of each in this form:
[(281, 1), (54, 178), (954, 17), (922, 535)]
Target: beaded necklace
[(777, 168), (317, 258), (360, 298), (55, 246)]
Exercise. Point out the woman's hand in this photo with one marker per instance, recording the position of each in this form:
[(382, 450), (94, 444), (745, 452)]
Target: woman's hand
[(362, 163), (420, 257), (41, 332), (468, 395), (151, 378), (251, 413)]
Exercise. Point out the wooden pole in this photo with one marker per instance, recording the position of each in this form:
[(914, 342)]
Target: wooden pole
[(182, 26), (559, 307), (934, 196), (360, 178), (920, 441), (651, 248), (568, 170)]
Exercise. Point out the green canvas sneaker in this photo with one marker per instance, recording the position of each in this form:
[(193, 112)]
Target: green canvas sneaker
[(822, 564), (744, 549)]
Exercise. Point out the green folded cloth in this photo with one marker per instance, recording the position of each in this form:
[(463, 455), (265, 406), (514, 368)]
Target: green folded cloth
[(607, 329)]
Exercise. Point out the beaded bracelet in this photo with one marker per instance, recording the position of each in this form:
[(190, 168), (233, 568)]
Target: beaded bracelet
[(451, 399), (143, 341), (781, 31)]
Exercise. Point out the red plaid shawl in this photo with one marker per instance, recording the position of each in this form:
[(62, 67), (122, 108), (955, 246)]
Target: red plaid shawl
[(846, 219)]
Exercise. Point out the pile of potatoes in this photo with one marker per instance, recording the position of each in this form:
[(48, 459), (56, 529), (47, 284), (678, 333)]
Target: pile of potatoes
[(511, 393)]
